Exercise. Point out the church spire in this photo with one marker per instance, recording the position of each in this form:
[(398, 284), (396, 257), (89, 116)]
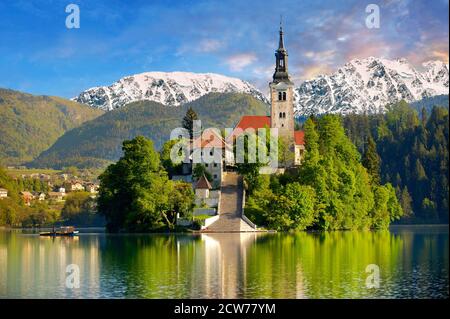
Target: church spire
[(281, 42), (281, 66)]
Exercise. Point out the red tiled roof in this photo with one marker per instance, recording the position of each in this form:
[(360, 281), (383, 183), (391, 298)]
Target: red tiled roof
[(299, 137), (209, 138), (250, 122), (203, 183), (253, 121)]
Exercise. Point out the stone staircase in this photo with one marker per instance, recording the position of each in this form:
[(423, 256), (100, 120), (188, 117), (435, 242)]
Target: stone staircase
[(230, 207)]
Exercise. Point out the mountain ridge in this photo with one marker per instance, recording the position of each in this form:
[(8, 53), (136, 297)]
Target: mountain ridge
[(167, 88), (369, 85)]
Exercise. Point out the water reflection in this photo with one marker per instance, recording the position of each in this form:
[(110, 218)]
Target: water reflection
[(413, 264)]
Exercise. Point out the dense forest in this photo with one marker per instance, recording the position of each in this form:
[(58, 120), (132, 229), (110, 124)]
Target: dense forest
[(413, 151)]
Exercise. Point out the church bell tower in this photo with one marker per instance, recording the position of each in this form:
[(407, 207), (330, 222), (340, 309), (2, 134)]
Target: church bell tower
[(282, 96)]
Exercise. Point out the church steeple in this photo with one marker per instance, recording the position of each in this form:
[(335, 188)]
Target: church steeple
[(281, 66), (281, 42)]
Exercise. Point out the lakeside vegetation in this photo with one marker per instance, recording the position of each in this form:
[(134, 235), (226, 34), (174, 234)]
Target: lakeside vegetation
[(136, 194), (331, 190), (77, 208)]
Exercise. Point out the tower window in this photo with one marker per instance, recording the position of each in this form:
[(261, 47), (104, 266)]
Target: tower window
[(284, 96), (284, 115), (281, 115), (280, 96)]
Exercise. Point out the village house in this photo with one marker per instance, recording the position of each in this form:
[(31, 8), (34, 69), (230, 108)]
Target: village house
[(75, 186), (27, 197), (56, 196), (202, 189), (210, 150), (92, 188), (3, 193)]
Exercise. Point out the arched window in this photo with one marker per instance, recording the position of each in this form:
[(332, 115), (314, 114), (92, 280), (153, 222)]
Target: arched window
[(284, 115), (284, 96), (280, 96), (281, 115)]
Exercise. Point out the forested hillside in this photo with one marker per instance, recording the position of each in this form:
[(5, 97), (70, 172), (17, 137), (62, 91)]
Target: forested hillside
[(429, 102), (30, 124), (413, 152)]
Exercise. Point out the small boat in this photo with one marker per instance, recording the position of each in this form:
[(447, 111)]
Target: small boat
[(63, 231)]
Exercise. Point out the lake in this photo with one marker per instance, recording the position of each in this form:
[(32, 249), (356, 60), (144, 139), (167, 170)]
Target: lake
[(412, 262)]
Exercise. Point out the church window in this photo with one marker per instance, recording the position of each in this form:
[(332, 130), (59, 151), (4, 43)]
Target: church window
[(282, 125), (284, 96), (281, 115), (280, 96), (211, 153)]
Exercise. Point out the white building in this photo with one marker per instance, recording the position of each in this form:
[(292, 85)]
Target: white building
[(3, 193)]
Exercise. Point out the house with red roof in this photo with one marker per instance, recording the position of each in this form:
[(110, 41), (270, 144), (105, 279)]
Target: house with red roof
[(211, 150)]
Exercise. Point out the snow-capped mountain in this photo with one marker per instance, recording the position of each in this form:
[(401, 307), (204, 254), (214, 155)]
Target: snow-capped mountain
[(368, 85), (171, 89)]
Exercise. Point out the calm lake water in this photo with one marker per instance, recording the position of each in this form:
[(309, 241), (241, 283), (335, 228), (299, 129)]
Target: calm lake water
[(413, 263)]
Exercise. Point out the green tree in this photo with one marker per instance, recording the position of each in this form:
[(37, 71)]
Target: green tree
[(371, 161), (199, 170), (134, 192), (251, 159), (79, 208), (302, 205), (405, 202), (166, 160), (188, 121)]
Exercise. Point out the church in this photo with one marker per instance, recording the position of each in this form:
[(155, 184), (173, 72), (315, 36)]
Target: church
[(282, 107), (215, 153)]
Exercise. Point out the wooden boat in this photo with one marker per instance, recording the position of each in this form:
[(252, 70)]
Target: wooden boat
[(63, 231)]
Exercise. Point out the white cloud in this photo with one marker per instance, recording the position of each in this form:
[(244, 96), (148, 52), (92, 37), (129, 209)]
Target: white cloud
[(209, 45), (239, 61)]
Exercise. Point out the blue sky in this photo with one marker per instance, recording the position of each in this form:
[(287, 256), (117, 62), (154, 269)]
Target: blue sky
[(39, 55)]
